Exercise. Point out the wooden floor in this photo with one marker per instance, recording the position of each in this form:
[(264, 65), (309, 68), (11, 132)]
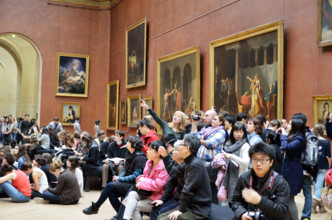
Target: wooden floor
[(33, 210)]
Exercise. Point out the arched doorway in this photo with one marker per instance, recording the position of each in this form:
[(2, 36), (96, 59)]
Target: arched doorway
[(20, 75)]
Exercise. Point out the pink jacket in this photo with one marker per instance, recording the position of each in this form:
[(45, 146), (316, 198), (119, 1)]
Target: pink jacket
[(154, 181)]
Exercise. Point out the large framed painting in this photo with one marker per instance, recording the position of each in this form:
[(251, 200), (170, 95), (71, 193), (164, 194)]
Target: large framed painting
[(322, 108), (324, 23), (70, 111), (112, 105), (134, 110), (136, 54), (246, 72), (178, 83), (123, 112), (72, 75), (149, 102)]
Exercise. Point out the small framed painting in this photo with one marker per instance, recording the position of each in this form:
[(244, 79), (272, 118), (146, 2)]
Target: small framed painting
[(70, 111), (134, 110)]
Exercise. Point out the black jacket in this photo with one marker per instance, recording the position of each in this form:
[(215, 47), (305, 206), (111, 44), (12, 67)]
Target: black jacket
[(196, 193), (274, 202), (113, 150)]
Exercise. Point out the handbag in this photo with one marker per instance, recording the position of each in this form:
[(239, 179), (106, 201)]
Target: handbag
[(327, 198), (143, 194)]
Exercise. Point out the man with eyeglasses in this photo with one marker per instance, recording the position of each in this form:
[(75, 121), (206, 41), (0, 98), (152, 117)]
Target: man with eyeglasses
[(261, 193), (195, 197)]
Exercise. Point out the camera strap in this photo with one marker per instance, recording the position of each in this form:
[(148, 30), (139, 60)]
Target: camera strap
[(270, 181)]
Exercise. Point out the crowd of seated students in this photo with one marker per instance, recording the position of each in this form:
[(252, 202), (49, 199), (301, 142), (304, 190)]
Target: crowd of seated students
[(179, 176)]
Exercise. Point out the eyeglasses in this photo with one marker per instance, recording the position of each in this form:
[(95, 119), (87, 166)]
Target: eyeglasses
[(261, 161)]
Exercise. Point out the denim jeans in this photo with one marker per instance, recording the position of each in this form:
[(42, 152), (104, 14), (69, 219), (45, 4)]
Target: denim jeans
[(112, 193), (165, 207), (318, 184), (306, 211), (54, 199), (12, 192)]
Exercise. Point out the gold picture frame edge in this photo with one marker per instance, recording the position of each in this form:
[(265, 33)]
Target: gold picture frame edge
[(175, 55), (321, 43), (143, 83), (315, 99), (253, 32), (147, 98), (78, 112), (87, 57), (129, 98), (120, 108), (114, 82)]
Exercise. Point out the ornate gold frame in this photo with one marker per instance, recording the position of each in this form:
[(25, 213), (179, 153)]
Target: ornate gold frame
[(59, 55), (274, 26), (129, 100), (123, 103), (78, 113), (149, 102), (321, 43), (143, 82), (109, 85), (315, 100), (196, 82)]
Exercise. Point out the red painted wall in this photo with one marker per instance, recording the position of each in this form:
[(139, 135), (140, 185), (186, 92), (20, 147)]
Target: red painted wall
[(176, 25), (56, 29)]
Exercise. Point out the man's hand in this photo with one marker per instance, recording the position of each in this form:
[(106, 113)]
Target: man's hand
[(157, 203), (245, 216), (251, 196), (174, 215), (162, 151), (115, 178)]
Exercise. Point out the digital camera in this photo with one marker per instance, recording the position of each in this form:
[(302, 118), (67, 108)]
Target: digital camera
[(256, 215)]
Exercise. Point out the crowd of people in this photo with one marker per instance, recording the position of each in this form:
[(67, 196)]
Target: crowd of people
[(202, 161)]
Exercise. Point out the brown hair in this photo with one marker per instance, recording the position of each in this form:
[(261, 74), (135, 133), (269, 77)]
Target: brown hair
[(74, 163), (258, 125), (56, 165), (26, 165), (319, 130)]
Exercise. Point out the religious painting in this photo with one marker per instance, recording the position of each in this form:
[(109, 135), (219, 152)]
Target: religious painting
[(112, 105), (322, 108), (324, 23), (136, 54), (70, 111), (134, 110), (72, 75), (246, 72), (178, 78), (123, 112), (149, 102)]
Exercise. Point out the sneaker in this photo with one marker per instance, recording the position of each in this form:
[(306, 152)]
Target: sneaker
[(91, 210)]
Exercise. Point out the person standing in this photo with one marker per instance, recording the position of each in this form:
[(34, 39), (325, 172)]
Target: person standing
[(293, 145), (77, 126)]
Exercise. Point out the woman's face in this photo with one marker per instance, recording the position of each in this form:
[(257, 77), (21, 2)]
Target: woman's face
[(177, 118), (238, 134), (289, 126), (250, 127), (152, 154), (16, 150), (34, 162), (143, 129), (128, 146), (68, 163), (216, 122), (227, 125)]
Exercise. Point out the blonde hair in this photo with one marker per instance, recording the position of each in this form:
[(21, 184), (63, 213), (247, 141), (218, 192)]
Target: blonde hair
[(150, 120), (181, 126), (56, 165), (62, 135)]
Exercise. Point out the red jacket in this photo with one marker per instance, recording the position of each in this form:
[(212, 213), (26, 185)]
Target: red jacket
[(149, 137)]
